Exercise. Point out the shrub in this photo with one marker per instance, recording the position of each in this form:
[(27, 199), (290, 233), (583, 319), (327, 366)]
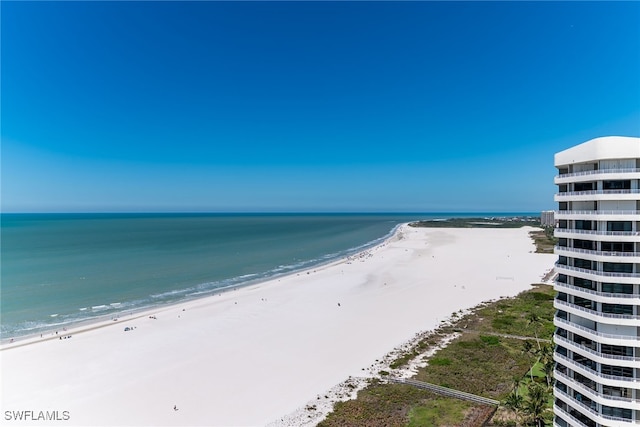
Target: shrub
[(490, 339)]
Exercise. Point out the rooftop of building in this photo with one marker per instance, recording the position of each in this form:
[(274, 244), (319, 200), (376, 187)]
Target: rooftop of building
[(603, 148)]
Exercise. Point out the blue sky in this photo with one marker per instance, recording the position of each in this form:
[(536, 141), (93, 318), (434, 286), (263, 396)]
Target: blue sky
[(307, 106)]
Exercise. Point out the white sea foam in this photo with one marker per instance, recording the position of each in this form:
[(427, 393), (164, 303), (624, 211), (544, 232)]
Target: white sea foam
[(171, 293), (82, 310)]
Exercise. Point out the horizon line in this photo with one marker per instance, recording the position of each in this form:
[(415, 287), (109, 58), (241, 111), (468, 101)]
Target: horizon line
[(283, 212)]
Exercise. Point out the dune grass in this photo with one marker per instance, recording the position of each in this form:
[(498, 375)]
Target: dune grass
[(478, 362)]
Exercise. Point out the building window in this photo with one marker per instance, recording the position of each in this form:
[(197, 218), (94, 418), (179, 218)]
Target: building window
[(583, 302), (617, 308), (583, 244), (616, 391), (617, 412), (617, 185), (583, 263), (561, 350), (617, 288), (618, 371), (584, 186), (560, 422), (561, 386), (617, 267), (618, 225), (617, 246), (616, 350), (583, 283)]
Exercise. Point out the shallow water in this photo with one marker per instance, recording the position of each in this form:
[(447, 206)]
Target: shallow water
[(63, 268)]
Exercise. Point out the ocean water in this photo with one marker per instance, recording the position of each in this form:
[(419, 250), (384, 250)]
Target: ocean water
[(60, 269)]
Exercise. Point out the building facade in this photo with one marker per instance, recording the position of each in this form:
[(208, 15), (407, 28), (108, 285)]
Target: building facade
[(597, 321), (547, 219)]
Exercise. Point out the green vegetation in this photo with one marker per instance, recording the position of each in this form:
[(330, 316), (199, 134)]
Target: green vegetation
[(484, 360), (440, 411), (530, 314), (378, 405), (544, 240), (490, 222), (440, 361), (490, 339), (479, 367)]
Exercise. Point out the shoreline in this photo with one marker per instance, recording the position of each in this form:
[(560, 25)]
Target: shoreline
[(254, 355), (90, 323)]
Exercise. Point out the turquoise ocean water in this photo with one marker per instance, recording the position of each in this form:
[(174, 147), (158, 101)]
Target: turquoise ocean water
[(60, 269)]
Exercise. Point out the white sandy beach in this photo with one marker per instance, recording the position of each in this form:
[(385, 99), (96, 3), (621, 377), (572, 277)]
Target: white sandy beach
[(250, 357)]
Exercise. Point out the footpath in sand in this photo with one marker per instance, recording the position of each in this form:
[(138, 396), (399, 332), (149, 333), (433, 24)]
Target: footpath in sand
[(252, 356)]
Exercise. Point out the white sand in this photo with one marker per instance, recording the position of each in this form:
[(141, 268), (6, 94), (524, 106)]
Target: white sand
[(252, 356)]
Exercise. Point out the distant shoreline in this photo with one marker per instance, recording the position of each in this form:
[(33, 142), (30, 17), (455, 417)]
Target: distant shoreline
[(481, 222)]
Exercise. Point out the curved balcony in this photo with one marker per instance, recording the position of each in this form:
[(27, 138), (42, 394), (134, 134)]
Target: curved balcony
[(589, 412), (615, 236), (598, 215), (597, 276), (601, 337), (605, 256), (630, 194), (598, 316), (570, 419), (606, 297), (607, 359), (612, 380), (567, 417), (594, 175), (603, 399)]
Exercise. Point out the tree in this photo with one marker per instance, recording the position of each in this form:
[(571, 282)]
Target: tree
[(514, 400), (545, 357), (527, 348), (535, 406), (535, 321)]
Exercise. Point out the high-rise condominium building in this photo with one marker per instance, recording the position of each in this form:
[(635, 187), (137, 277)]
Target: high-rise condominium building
[(598, 284)]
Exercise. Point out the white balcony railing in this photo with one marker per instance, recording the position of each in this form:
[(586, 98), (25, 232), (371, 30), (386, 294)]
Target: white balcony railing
[(560, 214), (577, 404), (595, 293), (598, 172), (564, 304), (586, 370), (597, 232), (567, 416), (559, 339), (568, 325), (592, 394), (597, 253), (596, 272), (598, 192)]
